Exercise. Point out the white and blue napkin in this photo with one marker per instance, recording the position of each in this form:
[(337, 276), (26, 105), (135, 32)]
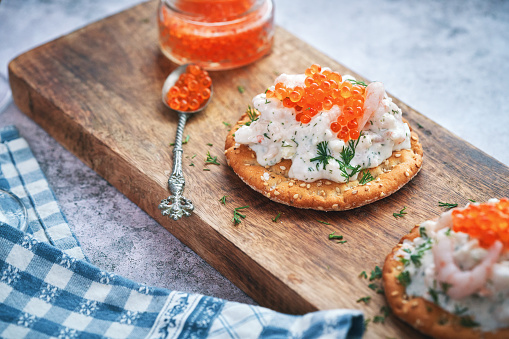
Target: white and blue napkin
[(49, 290), (20, 174)]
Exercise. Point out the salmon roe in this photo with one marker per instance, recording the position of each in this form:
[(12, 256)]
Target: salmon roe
[(191, 90), (322, 90), (486, 222), (216, 34)]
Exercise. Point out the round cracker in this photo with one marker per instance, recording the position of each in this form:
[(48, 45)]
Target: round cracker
[(323, 194), (425, 316)]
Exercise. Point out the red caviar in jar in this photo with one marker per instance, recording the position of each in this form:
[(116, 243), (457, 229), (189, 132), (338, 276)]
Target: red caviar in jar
[(486, 222), (190, 91), (216, 34), (323, 90)]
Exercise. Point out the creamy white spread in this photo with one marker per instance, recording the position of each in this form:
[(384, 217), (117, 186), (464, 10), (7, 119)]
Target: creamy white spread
[(276, 135), (488, 307)]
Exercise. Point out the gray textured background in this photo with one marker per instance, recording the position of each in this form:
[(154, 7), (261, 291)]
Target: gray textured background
[(447, 59)]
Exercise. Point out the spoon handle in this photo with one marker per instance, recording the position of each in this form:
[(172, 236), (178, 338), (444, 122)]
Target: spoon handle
[(176, 205), (177, 156)]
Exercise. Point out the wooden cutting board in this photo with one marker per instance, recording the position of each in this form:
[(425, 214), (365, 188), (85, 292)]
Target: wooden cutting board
[(97, 91)]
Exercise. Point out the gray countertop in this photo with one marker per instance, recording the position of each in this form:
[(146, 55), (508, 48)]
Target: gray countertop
[(446, 59)]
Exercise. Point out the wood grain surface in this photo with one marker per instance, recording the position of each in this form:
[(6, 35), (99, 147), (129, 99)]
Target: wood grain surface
[(97, 91)]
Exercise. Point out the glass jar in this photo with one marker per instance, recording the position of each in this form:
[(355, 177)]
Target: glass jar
[(216, 34)]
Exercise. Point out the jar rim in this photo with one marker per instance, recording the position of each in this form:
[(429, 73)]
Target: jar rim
[(170, 4)]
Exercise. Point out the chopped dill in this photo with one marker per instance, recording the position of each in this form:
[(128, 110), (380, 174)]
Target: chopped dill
[(211, 160), (346, 155), (237, 215), (277, 217), (468, 322), (400, 214), (375, 274), (252, 115), (357, 82), (364, 300), (333, 236), (447, 205), (422, 232), (223, 200), (404, 278), (185, 141), (323, 222), (366, 177), (324, 155)]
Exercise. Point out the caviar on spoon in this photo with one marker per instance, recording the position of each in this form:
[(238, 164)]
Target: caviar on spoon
[(187, 90)]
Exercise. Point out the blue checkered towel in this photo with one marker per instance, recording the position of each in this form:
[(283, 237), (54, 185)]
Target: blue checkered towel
[(20, 174), (46, 292)]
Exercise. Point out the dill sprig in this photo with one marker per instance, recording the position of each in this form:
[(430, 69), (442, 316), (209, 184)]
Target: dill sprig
[(223, 200), (364, 300), (333, 236), (460, 310), (366, 177), (277, 217), (400, 214), (404, 278), (323, 222), (252, 115), (346, 155), (237, 215), (433, 294), (468, 322), (376, 274), (447, 205), (185, 141), (211, 160), (240, 89), (422, 232), (357, 82), (376, 288), (324, 155), (385, 312)]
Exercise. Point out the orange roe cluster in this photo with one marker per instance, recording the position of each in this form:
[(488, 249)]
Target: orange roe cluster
[(216, 34), (191, 90), (322, 90), (486, 222)]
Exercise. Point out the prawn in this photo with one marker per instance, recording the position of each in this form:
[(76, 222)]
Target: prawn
[(374, 95), (463, 283)]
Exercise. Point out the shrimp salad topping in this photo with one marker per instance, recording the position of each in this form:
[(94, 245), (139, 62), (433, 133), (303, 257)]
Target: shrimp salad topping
[(330, 126), (453, 265)]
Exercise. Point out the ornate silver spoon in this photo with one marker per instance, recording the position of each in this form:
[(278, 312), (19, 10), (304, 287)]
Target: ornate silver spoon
[(176, 205)]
